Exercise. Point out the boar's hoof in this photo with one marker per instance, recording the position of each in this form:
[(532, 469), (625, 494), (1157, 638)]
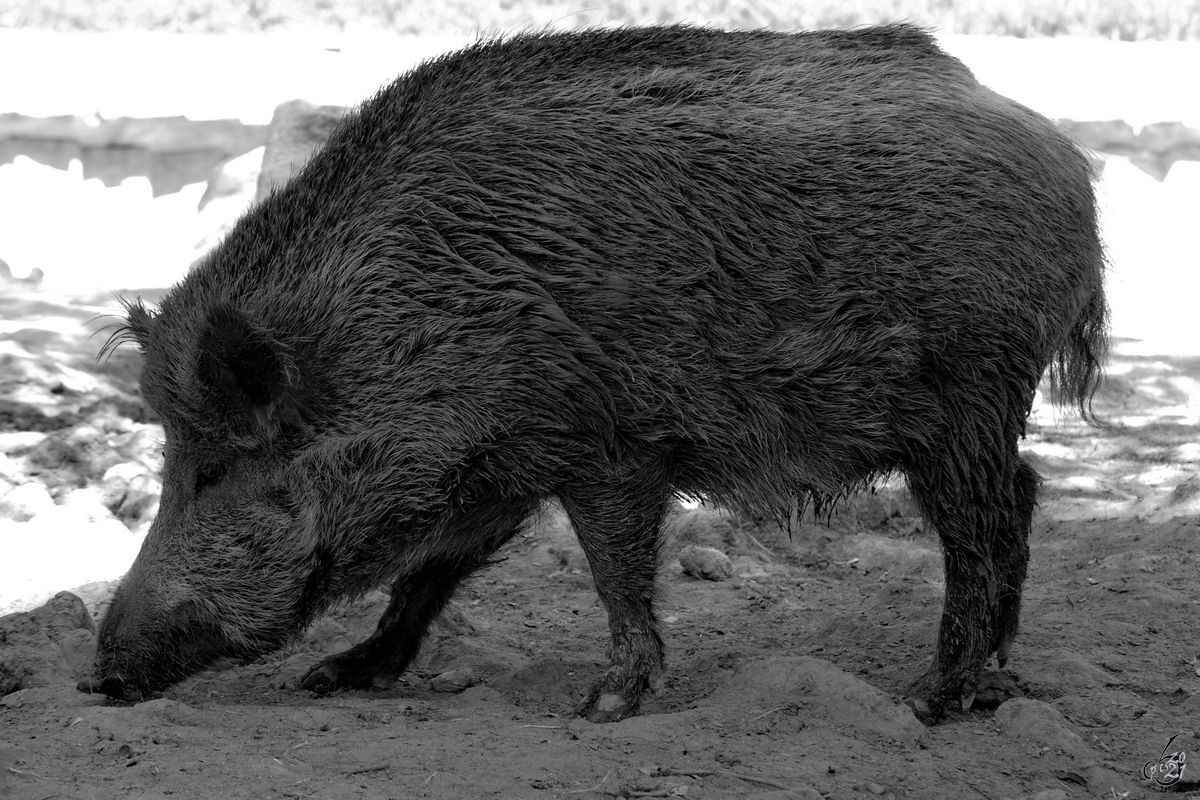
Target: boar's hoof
[(926, 698), (336, 673), (353, 669), (321, 679), (619, 693)]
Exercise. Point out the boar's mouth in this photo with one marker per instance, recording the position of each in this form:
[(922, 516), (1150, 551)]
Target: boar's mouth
[(115, 686), (133, 674)]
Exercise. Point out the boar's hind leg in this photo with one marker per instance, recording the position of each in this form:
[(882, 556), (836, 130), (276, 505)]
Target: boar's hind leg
[(618, 519), (983, 521)]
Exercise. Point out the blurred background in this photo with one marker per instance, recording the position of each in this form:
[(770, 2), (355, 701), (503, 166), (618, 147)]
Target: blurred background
[(1126, 20), (87, 82)]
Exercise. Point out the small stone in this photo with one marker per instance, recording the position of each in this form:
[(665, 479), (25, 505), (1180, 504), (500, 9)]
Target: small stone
[(453, 681), (705, 562), (875, 788)]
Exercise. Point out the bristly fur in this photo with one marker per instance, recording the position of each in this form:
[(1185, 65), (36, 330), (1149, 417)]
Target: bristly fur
[(610, 266), (121, 329)]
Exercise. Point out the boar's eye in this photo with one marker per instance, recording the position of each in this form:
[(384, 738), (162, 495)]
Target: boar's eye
[(210, 475)]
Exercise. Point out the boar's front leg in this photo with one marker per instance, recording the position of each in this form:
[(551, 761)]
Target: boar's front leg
[(461, 546), (618, 519), (378, 660)]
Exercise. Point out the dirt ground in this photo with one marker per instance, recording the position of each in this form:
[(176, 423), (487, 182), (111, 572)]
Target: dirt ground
[(784, 680)]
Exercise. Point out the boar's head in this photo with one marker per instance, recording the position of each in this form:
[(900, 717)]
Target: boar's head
[(232, 565)]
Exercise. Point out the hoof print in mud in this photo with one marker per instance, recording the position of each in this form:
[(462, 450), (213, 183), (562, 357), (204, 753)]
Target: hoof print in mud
[(605, 708)]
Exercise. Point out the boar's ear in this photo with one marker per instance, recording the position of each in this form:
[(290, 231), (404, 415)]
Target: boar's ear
[(238, 363)]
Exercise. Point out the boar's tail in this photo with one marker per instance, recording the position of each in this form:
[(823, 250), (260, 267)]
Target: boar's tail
[(1078, 364)]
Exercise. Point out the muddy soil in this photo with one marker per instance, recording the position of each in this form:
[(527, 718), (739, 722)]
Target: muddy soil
[(784, 680)]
